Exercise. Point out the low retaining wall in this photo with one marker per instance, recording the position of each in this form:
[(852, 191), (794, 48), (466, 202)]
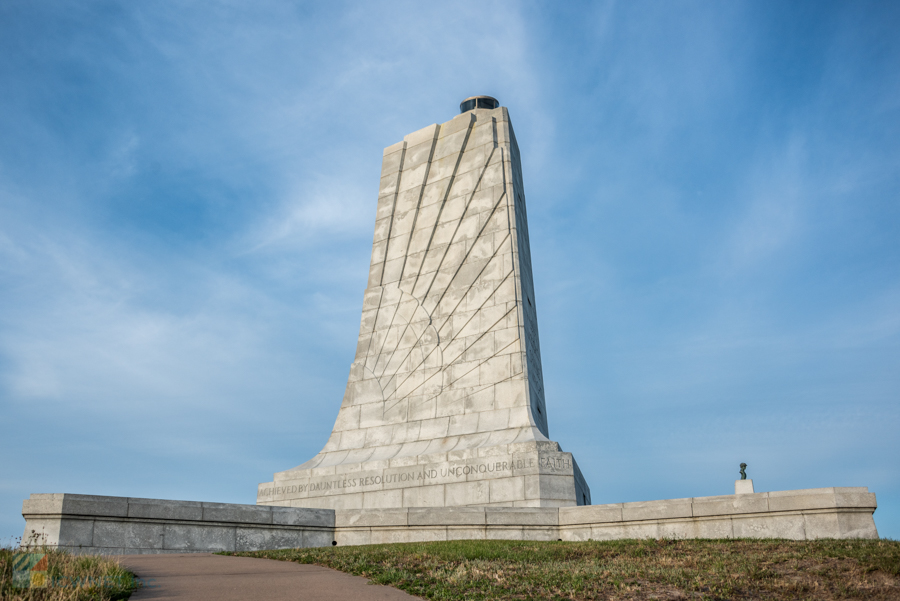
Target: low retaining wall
[(791, 514), (123, 525), (92, 524)]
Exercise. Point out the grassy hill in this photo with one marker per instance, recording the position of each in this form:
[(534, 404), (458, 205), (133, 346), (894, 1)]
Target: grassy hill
[(628, 569)]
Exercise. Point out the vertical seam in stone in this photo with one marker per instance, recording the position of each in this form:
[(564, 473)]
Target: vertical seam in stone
[(387, 244), (458, 224), (386, 332), (517, 267), (389, 359), (434, 142), (493, 256), (506, 277), (490, 329), (437, 219), (418, 339), (483, 361), (443, 368), (485, 333), (374, 322), (531, 344), (463, 262)]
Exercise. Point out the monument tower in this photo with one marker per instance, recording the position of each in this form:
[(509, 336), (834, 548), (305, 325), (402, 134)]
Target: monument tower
[(444, 404)]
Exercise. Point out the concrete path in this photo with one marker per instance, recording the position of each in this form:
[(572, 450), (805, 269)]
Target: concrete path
[(202, 577)]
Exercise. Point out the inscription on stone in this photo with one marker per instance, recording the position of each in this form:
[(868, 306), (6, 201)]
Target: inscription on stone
[(425, 476)]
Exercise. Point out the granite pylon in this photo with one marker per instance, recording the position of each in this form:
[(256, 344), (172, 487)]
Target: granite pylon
[(444, 404)]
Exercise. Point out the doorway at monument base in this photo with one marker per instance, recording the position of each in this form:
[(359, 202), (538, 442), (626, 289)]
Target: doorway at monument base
[(525, 474), (121, 525)]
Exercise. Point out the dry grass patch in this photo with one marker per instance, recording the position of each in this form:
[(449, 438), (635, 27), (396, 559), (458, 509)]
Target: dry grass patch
[(630, 569), (53, 575)]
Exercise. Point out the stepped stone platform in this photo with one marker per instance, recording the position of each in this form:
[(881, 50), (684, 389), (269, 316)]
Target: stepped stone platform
[(121, 525)]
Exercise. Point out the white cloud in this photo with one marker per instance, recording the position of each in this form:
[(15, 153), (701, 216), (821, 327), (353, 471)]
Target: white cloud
[(311, 213)]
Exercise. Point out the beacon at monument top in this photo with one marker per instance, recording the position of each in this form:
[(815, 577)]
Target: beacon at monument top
[(478, 102)]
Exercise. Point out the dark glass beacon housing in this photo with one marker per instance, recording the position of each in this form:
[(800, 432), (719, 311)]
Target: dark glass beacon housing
[(478, 102)]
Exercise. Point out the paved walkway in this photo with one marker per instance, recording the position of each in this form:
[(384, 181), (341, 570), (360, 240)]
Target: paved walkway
[(202, 577)]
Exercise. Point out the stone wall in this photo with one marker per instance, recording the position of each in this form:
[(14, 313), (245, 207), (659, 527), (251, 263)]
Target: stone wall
[(94, 524), (124, 525)]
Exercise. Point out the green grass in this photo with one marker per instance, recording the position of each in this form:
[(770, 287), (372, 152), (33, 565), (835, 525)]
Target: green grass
[(68, 578), (626, 569)]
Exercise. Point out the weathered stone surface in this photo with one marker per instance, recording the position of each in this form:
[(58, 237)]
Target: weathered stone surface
[(654, 510), (92, 524), (731, 504), (743, 487), (187, 537), (251, 539), (229, 512), (153, 508), (445, 516), (448, 357), (811, 514), (590, 514)]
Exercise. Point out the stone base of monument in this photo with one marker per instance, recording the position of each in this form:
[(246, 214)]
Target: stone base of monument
[(525, 474), (120, 525)]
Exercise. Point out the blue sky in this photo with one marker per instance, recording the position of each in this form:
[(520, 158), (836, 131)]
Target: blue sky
[(187, 200)]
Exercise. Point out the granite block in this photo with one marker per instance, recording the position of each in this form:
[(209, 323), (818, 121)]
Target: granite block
[(655, 510), (790, 526), (190, 538), (94, 505), (141, 535), (353, 536), (522, 516), (317, 538), (75, 532), (447, 516), (296, 516), (505, 533), (164, 510), (228, 512), (258, 539), (109, 534), (852, 524), (730, 504), (590, 514), (370, 517)]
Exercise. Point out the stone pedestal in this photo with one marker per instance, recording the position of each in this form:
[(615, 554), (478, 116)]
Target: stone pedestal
[(524, 474), (743, 487), (444, 404)]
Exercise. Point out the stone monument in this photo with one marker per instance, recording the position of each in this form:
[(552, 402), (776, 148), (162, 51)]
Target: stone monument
[(444, 404)]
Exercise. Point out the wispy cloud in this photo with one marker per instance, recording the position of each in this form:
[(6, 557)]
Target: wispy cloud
[(313, 212)]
